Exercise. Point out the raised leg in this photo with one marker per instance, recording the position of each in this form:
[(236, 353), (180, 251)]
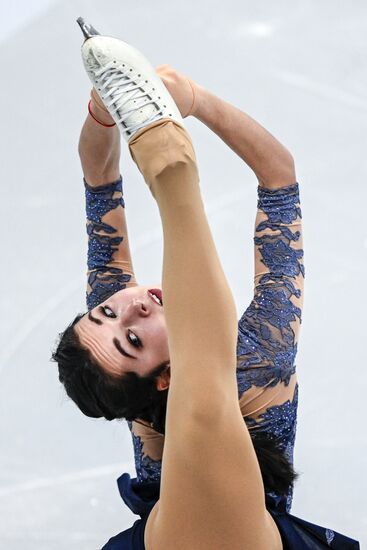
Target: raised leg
[(200, 508)]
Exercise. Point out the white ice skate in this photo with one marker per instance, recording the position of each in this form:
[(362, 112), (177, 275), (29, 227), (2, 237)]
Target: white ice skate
[(126, 82)]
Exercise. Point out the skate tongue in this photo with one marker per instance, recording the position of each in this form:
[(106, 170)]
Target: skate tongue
[(87, 29)]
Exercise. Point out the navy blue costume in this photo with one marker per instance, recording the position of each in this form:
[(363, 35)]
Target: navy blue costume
[(267, 342), (296, 533)]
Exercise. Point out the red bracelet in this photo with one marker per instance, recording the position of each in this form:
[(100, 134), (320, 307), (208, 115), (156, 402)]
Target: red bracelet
[(96, 119)]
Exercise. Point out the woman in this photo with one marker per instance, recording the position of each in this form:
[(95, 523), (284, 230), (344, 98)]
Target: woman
[(211, 495)]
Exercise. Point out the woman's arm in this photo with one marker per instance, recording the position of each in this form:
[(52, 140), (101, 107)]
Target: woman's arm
[(99, 146), (263, 153), (271, 162), (109, 259)]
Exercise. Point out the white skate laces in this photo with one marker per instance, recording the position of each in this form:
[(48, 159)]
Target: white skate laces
[(123, 95), (127, 83)]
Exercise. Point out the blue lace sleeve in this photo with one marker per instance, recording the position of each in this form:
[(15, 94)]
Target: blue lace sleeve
[(109, 259), (268, 329)]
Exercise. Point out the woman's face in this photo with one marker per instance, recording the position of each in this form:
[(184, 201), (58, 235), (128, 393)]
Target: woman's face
[(126, 332)]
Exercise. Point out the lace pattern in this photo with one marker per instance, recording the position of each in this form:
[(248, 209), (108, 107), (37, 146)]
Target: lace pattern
[(103, 279), (147, 468)]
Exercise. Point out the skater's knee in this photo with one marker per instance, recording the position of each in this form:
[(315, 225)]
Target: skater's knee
[(179, 162), (165, 151)]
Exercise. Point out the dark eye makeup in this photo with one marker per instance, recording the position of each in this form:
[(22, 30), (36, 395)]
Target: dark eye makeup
[(131, 337), (136, 342), (105, 309)]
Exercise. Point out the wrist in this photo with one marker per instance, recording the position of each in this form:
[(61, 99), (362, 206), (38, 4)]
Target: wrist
[(112, 184), (96, 178), (194, 99), (100, 115), (200, 105), (99, 152), (97, 109)]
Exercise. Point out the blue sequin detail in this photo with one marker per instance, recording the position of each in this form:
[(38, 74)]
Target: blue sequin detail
[(147, 469), (103, 280), (279, 256), (281, 207), (265, 347)]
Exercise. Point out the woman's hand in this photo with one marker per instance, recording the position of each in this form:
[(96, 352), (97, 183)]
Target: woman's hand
[(183, 90)]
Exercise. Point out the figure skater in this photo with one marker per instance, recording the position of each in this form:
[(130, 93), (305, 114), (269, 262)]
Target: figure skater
[(211, 405)]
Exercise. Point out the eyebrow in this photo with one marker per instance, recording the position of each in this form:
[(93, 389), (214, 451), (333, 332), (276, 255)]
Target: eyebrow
[(117, 343), (119, 347), (94, 319)]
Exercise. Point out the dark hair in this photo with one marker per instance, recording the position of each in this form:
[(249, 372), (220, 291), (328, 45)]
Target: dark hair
[(277, 471), (130, 396)]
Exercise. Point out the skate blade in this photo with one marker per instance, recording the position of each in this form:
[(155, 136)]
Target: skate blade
[(87, 29)]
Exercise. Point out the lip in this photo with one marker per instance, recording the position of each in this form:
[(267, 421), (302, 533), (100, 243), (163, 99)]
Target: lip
[(158, 293)]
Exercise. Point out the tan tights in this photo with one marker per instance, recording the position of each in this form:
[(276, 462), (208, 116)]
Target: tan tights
[(212, 495)]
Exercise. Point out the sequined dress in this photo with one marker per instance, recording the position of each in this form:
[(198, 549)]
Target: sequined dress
[(268, 333)]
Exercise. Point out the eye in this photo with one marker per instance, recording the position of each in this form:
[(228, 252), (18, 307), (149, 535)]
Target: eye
[(107, 311), (134, 340)]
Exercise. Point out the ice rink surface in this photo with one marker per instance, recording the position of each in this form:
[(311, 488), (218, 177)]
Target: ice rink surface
[(300, 69)]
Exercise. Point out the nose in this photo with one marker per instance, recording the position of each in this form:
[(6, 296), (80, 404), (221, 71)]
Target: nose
[(137, 308), (142, 308)]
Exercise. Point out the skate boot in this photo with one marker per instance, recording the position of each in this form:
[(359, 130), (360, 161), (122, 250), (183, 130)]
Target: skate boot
[(126, 82)]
